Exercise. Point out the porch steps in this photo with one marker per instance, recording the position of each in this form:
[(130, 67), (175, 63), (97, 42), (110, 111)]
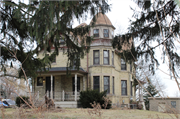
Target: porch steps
[(67, 104)]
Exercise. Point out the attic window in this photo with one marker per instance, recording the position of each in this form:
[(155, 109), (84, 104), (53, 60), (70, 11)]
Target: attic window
[(96, 32), (106, 33)]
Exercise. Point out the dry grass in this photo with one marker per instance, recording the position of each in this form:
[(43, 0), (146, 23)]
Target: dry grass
[(83, 114)]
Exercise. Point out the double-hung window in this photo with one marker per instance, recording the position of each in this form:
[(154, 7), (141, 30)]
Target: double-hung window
[(113, 85), (130, 67), (131, 88), (96, 83), (112, 58), (106, 33), (96, 32), (96, 57), (173, 104), (123, 87), (106, 84), (123, 64), (106, 57)]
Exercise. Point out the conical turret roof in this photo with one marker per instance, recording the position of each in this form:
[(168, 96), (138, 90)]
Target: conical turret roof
[(102, 19)]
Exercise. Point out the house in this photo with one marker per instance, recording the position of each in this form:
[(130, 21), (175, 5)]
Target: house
[(170, 104), (100, 69)]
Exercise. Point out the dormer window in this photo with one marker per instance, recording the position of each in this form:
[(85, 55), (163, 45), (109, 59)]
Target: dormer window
[(96, 32), (106, 33)]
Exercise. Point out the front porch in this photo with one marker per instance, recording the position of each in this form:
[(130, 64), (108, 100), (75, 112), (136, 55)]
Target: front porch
[(64, 90)]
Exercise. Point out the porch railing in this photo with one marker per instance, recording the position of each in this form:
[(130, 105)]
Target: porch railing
[(64, 96)]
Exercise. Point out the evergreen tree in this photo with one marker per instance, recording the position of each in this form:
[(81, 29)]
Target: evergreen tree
[(149, 92), (156, 25), (44, 23)]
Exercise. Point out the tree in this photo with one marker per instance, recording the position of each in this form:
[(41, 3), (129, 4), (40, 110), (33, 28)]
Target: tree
[(150, 91), (10, 86), (43, 24), (156, 26)]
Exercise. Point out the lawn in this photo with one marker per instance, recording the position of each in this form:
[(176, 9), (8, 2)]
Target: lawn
[(83, 114)]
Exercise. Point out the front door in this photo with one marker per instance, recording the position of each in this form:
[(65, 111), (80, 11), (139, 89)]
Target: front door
[(48, 85)]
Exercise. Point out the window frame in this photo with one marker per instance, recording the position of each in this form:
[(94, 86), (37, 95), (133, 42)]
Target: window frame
[(131, 88), (131, 67), (106, 57), (96, 57), (96, 85), (173, 106), (112, 57), (108, 90), (113, 87), (112, 34), (39, 84), (122, 93), (105, 33), (123, 65), (96, 35)]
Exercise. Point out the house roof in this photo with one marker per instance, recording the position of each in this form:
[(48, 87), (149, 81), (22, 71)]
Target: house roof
[(56, 69), (102, 19), (81, 25)]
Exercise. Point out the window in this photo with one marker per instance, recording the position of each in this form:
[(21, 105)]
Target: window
[(123, 64), (39, 81), (123, 87), (131, 88), (112, 58), (62, 41), (78, 84), (106, 57), (112, 33), (173, 104), (106, 33), (53, 60), (106, 84), (76, 61), (96, 82), (130, 67), (113, 84), (96, 32), (96, 56)]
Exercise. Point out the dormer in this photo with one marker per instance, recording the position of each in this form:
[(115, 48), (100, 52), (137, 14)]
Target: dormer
[(103, 28)]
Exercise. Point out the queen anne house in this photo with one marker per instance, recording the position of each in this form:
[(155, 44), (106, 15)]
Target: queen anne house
[(100, 69)]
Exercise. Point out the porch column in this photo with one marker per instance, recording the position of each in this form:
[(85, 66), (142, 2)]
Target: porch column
[(75, 87), (83, 83), (51, 87)]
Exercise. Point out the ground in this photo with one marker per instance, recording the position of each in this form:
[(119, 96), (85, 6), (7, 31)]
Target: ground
[(83, 114)]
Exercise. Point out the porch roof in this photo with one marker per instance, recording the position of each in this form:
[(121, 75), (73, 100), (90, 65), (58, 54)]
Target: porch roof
[(64, 69)]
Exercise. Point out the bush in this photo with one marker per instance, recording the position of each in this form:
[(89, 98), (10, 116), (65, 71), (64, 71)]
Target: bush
[(19, 101), (90, 96)]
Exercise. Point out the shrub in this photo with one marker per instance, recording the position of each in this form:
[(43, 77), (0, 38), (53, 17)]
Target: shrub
[(90, 96), (19, 101)]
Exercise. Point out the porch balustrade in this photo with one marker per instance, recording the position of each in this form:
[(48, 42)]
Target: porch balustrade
[(65, 96)]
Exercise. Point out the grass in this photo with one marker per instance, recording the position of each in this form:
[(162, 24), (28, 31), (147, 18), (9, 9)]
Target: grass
[(83, 114)]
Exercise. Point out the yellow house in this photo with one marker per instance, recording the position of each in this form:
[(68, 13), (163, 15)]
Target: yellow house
[(100, 69)]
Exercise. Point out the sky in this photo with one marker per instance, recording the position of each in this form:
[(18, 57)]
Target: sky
[(119, 16)]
